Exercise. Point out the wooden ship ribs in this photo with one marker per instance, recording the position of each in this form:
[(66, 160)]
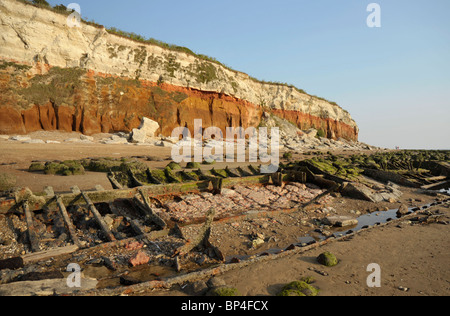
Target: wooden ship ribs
[(150, 203)]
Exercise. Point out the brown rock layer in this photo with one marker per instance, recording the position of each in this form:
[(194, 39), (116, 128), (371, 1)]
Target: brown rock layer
[(73, 99)]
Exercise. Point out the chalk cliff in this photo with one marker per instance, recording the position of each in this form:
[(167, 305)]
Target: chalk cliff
[(54, 77)]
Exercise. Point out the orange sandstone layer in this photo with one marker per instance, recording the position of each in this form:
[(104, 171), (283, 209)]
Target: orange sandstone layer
[(41, 98)]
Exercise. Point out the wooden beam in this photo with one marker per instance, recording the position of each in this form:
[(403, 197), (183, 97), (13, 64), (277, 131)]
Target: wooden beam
[(151, 213), (217, 185), (99, 218), (114, 183), (201, 239), (134, 181), (151, 177), (52, 253), (67, 221), (32, 235), (8, 204)]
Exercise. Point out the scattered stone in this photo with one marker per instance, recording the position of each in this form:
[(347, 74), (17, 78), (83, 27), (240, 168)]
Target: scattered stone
[(138, 136), (163, 144), (20, 138), (88, 138), (134, 245), (340, 221), (311, 133), (139, 259), (72, 140), (215, 282), (327, 259), (403, 210), (34, 141), (149, 127), (198, 288), (114, 141)]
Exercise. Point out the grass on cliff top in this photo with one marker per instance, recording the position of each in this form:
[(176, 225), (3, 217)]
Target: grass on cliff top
[(61, 9)]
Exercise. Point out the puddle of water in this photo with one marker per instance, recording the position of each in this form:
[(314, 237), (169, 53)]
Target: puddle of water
[(364, 221)]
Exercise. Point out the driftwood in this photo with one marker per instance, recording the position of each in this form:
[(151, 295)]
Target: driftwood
[(67, 221), (32, 235)]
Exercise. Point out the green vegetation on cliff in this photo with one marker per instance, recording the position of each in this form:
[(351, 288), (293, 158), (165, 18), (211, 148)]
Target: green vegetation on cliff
[(204, 72), (55, 86)]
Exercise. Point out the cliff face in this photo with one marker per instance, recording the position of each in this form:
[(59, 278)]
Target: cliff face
[(85, 79)]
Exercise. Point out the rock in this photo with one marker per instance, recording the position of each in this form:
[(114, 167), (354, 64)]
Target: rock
[(109, 221), (139, 259), (361, 191), (163, 144), (138, 136), (89, 138), (327, 259), (52, 142), (403, 210), (257, 242), (34, 141), (340, 221), (20, 138), (198, 288), (72, 140), (311, 133), (215, 282), (4, 137), (149, 127), (134, 245), (114, 140)]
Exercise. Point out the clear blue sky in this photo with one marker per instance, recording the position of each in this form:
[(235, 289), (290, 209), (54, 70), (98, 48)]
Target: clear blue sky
[(394, 80)]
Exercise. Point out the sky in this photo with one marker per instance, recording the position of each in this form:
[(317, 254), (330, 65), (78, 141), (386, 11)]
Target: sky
[(394, 80)]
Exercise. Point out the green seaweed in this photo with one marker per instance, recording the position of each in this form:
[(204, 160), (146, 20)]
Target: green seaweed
[(299, 288), (225, 292), (327, 259)]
